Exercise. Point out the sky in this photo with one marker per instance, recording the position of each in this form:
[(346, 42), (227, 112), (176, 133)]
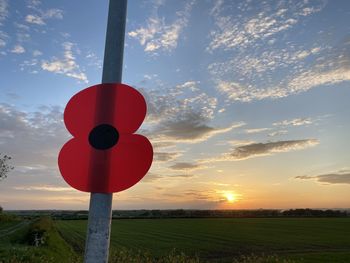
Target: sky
[(248, 101)]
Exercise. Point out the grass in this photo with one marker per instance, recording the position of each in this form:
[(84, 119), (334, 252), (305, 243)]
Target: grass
[(223, 240)]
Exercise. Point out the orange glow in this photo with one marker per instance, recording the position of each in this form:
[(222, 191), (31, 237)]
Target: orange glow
[(230, 197)]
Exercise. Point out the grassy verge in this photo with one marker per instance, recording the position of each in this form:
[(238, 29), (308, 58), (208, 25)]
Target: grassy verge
[(34, 241)]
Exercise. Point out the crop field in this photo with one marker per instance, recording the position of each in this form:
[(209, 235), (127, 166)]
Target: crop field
[(222, 240), (247, 240)]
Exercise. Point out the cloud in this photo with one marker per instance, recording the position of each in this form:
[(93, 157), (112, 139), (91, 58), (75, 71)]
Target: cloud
[(237, 92), (165, 156), (53, 13), (33, 4), (66, 65), (256, 130), (260, 149), (294, 122), (3, 36), (163, 144), (257, 22), (312, 78), (34, 19), (18, 49), (33, 140), (29, 64), (191, 129), (277, 133), (257, 59), (159, 35), (206, 198), (39, 19), (339, 177), (37, 53), (185, 166), (239, 142), (178, 101), (181, 176), (3, 10), (182, 113), (151, 177), (246, 151), (261, 59), (305, 81), (48, 188)]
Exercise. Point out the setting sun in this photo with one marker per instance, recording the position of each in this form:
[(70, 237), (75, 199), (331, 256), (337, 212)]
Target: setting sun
[(230, 197)]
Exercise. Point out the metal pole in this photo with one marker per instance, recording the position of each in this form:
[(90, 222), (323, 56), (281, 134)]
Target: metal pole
[(100, 211)]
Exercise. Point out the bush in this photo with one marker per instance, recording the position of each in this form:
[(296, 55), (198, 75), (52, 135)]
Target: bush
[(39, 232), (5, 168)]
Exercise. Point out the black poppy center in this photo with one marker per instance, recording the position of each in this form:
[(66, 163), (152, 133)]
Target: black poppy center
[(103, 137)]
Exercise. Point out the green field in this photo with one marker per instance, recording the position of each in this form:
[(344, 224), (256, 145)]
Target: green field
[(203, 240), (312, 239)]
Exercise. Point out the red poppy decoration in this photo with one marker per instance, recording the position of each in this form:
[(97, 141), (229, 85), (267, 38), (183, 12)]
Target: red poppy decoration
[(105, 155)]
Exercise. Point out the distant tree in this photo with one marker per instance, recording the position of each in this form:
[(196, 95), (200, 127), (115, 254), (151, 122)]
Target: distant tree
[(5, 167)]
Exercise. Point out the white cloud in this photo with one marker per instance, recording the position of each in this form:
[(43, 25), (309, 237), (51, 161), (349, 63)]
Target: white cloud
[(236, 143), (37, 53), (67, 65), (300, 83), (256, 130), (192, 85), (29, 64), (237, 92), (311, 79), (159, 35), (294, 122), (48, 188), (34, 19), (18, 49), (310, 10), (3, 10), (3, 36), (53, 13), (39, 19), (33, 4), (257, 22), (277, 133), (258, 64)]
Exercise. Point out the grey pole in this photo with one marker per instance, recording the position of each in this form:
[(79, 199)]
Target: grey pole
[(100, 211)]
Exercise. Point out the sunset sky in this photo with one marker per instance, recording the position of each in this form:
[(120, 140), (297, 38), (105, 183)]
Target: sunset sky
[(248, 101)]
